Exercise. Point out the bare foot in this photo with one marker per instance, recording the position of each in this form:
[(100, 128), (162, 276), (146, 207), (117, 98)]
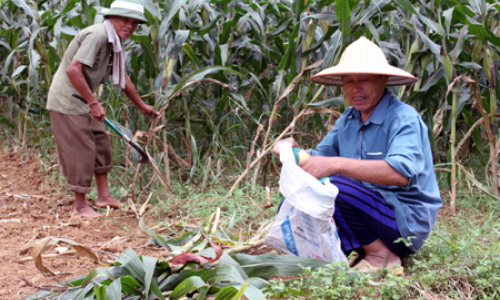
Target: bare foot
[(107, 201), (383, 262), (86, 211)]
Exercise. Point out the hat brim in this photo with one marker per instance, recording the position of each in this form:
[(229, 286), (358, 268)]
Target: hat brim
[(121, 12), (333, 75)]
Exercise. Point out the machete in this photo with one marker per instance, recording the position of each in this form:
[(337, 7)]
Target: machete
[(144, 157)]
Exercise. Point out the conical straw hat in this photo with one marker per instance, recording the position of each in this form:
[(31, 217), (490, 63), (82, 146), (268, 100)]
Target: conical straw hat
[(363, 57)]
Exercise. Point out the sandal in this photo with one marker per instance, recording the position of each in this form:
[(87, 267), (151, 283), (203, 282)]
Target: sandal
[(355, 260), (364, 266)]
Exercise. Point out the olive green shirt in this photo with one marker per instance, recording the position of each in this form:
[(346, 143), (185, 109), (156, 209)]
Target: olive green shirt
[(91, 48)]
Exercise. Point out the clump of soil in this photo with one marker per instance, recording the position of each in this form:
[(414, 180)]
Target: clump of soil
[(33, 208)]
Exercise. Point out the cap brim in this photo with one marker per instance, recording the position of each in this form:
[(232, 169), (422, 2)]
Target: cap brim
[(333, 75)]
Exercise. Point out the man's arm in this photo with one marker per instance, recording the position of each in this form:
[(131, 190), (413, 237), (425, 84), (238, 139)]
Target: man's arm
[(371, 171), (75, 74), (132, 94)]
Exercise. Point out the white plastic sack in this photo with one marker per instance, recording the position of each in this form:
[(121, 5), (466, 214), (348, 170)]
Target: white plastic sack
[(304, 225)]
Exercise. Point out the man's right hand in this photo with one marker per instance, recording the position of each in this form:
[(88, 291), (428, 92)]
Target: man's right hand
[(276, 147), (97, 111), (75, 75)]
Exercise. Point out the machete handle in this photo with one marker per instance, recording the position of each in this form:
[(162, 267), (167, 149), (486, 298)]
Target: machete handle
[(108, 122)]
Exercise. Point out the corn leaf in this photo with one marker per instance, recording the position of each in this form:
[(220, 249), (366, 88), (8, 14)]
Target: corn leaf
[(149, 264), (133, 263), (187, 286), (114, 291), (269, 265)]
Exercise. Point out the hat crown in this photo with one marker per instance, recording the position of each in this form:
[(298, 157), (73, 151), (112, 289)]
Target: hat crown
[(363, 51), (126, 8), (128, 4)]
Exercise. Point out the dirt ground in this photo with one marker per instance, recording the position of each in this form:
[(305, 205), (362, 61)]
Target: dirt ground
[(33, 208)]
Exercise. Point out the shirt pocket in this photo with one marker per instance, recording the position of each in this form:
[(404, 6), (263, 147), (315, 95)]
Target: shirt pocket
[(374, 155)]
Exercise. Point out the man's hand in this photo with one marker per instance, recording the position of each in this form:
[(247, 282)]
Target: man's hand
[(97, 111), (276, 147), (319, 166), (149, 112)]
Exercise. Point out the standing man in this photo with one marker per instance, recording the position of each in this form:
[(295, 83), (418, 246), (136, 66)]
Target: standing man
[(82, 143), (379, 156)]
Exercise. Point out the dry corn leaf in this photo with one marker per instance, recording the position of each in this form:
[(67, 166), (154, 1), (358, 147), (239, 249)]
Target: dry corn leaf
[(49, 242), (144, 206)]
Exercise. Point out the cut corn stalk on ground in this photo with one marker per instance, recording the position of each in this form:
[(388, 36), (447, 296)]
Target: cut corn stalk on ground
[(198, 264)]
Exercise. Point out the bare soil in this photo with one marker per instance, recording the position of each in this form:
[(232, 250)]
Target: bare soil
[(32, 208)]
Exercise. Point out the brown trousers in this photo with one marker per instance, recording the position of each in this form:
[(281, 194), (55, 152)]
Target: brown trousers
[(84, 149)]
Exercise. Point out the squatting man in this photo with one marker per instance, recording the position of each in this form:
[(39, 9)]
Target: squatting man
[(379, 156)]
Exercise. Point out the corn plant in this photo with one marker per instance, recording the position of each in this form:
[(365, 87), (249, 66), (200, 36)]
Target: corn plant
[(230, 76)]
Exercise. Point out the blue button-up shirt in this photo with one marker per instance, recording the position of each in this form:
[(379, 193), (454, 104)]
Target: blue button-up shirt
[(394, 132)]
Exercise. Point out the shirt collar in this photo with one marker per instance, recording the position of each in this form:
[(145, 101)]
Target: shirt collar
[(378, 115)]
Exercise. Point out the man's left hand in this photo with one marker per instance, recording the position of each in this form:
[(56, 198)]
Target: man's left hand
[(149, 112)]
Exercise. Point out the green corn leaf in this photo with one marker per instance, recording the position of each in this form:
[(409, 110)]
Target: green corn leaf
[(149, 264), (181, 37), (155, 289), (226, 293), (320, 42), (471, 65), (448, 14), (114, 291), (435, 48), (241, 291), (337, 101), (151, 8), (89, 18), (375, 7), (84, 291), (460, 44), (280, 29), (130, 285), (335, 44), (226, 273), (172, 7), (188, 50), (99, 291), (175, 279), (298, 8), (252, 293), (269, 265), (133, 263), (189, 285), (18, 71), (202, 293), (95, 273), (476, 7), (27, 9), (373, 31), (432, 25), (290, 50), (6, 63), (343, 13), (406, 5), (202, 73)]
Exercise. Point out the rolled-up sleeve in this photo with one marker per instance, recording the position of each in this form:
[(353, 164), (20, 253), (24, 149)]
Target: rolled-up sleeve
[(405, 153)]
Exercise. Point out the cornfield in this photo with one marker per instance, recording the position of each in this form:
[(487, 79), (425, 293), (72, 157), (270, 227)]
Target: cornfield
[(229, 77)]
